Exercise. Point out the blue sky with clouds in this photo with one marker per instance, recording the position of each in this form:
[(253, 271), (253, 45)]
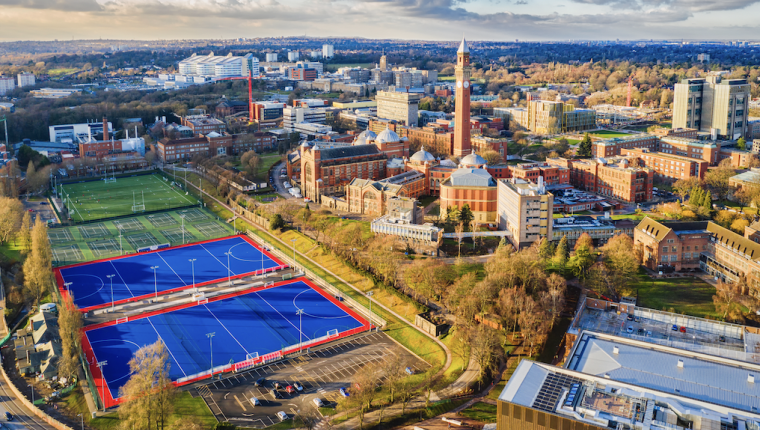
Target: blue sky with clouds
[(392, 19)]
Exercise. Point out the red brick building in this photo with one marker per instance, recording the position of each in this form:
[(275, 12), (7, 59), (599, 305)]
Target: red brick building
[(667, 166), (553, 175), (328, 171), (611, 177), (202, 124), (707, 150), (612, 147), (171, 150)]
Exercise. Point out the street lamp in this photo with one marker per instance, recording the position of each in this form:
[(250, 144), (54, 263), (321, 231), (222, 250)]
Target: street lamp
[(32, 387), (369, 294), (210, 337), (155, 282), (68, 287), (294, 253), (101, 365), (229, 280), (192, 264), (111, 278), (183, 228), (82, 417), (299, 312)]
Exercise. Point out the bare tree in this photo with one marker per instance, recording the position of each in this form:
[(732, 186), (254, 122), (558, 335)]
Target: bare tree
[(149, 391), (726, 300), (459, 231), (69, 328)]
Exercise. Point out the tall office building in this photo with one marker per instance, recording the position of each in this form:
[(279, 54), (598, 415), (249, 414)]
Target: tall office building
[(383, 63), (271, 57), (525, 210), (293, 56), (219, 66), (399, 106), (712, 104), (7, 83), (463, 71), (327, 51)]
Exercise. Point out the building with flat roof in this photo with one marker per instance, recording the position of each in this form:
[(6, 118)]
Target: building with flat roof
[(525, 210), (669, 167), (54, 93), (750, 178), (610, 382), (74, 133), (550, 117), (712, 104), (219, 66), (609, 177), (7, 84), (706, 150), (203, 124), (601, 229), (26, 80), (398, 106), (612, 147)]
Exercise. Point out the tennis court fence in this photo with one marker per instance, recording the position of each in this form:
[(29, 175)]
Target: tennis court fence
[(346, 299)]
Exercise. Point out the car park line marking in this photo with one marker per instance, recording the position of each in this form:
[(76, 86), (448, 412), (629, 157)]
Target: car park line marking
[(240, 403)]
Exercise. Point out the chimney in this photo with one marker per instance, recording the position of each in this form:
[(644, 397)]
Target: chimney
[(680, 363), (751, 378), (105, 128), (615, 350)]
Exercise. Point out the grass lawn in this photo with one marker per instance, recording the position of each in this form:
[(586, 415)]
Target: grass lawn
[(101, 240), (96, 200), (573, 141), (425, 201), (735, 206), (11, 251), (609, 134), (483, 412), (446, 78), (637, 217), (185, 407), (267, 161), (690, 296), (56, 72)]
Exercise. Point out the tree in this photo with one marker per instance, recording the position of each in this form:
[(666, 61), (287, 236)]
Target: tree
[(545, 249), (459, 231), (584, 148), (684, 187), (276, 222), (584, 240), (11, 211), (620, 263), (363, 390), (38, 264), (250, 162), (726, 300), (741, 144), (149, 392), (717, 178), (69, 327), (746, 195), (492, 157), (465, 215), (561, 254), (739, 225), (581, 261), (25, 233), (483, 343)]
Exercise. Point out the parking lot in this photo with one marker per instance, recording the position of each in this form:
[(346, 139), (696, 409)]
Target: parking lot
[(321, 373), (643, 329), (39, 209)]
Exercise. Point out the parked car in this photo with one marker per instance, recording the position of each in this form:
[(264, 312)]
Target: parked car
[(674, 328), (630, 317), (276, 394), (722, 338), (282, 416), (318, 402), (640, 332), (298, 386), (649, 333), (339, 298), (409, 371), (683, 329), (260, 382), (8, 416), (255, 401), (290, 389), (277, 385), (343, 392), (630, 329)]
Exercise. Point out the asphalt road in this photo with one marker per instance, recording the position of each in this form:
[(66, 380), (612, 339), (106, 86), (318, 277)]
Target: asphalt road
[(40, 209), (322, 372), (22, 417)]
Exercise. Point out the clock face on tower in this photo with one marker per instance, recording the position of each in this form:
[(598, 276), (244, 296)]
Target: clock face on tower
[(459, 84), (466, 84)]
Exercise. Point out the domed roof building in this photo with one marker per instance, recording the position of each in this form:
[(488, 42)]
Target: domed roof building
[(472, 161), (422, 156), (365, 137), (387, 136)]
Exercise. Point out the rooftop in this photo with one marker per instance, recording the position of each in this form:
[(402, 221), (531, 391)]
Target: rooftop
[(686, 141)]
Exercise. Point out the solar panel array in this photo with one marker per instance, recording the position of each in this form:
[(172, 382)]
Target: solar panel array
[(549, 393)]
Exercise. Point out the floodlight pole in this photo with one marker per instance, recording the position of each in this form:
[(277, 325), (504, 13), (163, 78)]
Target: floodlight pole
[(102, 364), (183, 228), (210, 337), (192, 264), (32, 387), (82, 417), (229, 280), (300, 330), (155, 282), (111, 278), (68, 287), (369, 294)]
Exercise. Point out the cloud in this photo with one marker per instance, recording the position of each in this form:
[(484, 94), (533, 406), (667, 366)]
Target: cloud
[(520, 2), (62, 5), (690, 5)]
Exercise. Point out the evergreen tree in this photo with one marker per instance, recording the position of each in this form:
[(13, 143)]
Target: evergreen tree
[(562, 252), (697, 196), (503, 241), (707, 201), (545, 249), (741, 144), (25, 233), (584, 148), (465, 215)]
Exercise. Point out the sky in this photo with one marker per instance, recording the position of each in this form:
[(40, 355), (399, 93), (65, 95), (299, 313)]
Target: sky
[(380, 19)]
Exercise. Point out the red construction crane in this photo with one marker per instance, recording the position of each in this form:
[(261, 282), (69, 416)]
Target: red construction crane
[(250, 91)]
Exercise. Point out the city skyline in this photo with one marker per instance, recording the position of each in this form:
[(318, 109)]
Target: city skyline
[(386, 19)]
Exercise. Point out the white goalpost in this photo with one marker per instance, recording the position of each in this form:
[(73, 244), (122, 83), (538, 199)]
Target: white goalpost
[(112, 179), (138, 207)]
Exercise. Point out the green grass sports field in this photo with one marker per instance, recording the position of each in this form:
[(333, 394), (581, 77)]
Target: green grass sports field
[(94, 200)]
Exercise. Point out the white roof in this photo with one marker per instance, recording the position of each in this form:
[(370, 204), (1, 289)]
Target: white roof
[(463, 46), (711, 379)]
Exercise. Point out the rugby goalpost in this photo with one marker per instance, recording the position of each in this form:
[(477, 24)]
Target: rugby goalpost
[(138, 207)]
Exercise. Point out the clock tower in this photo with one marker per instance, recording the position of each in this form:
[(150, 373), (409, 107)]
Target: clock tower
[(463, 71)]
